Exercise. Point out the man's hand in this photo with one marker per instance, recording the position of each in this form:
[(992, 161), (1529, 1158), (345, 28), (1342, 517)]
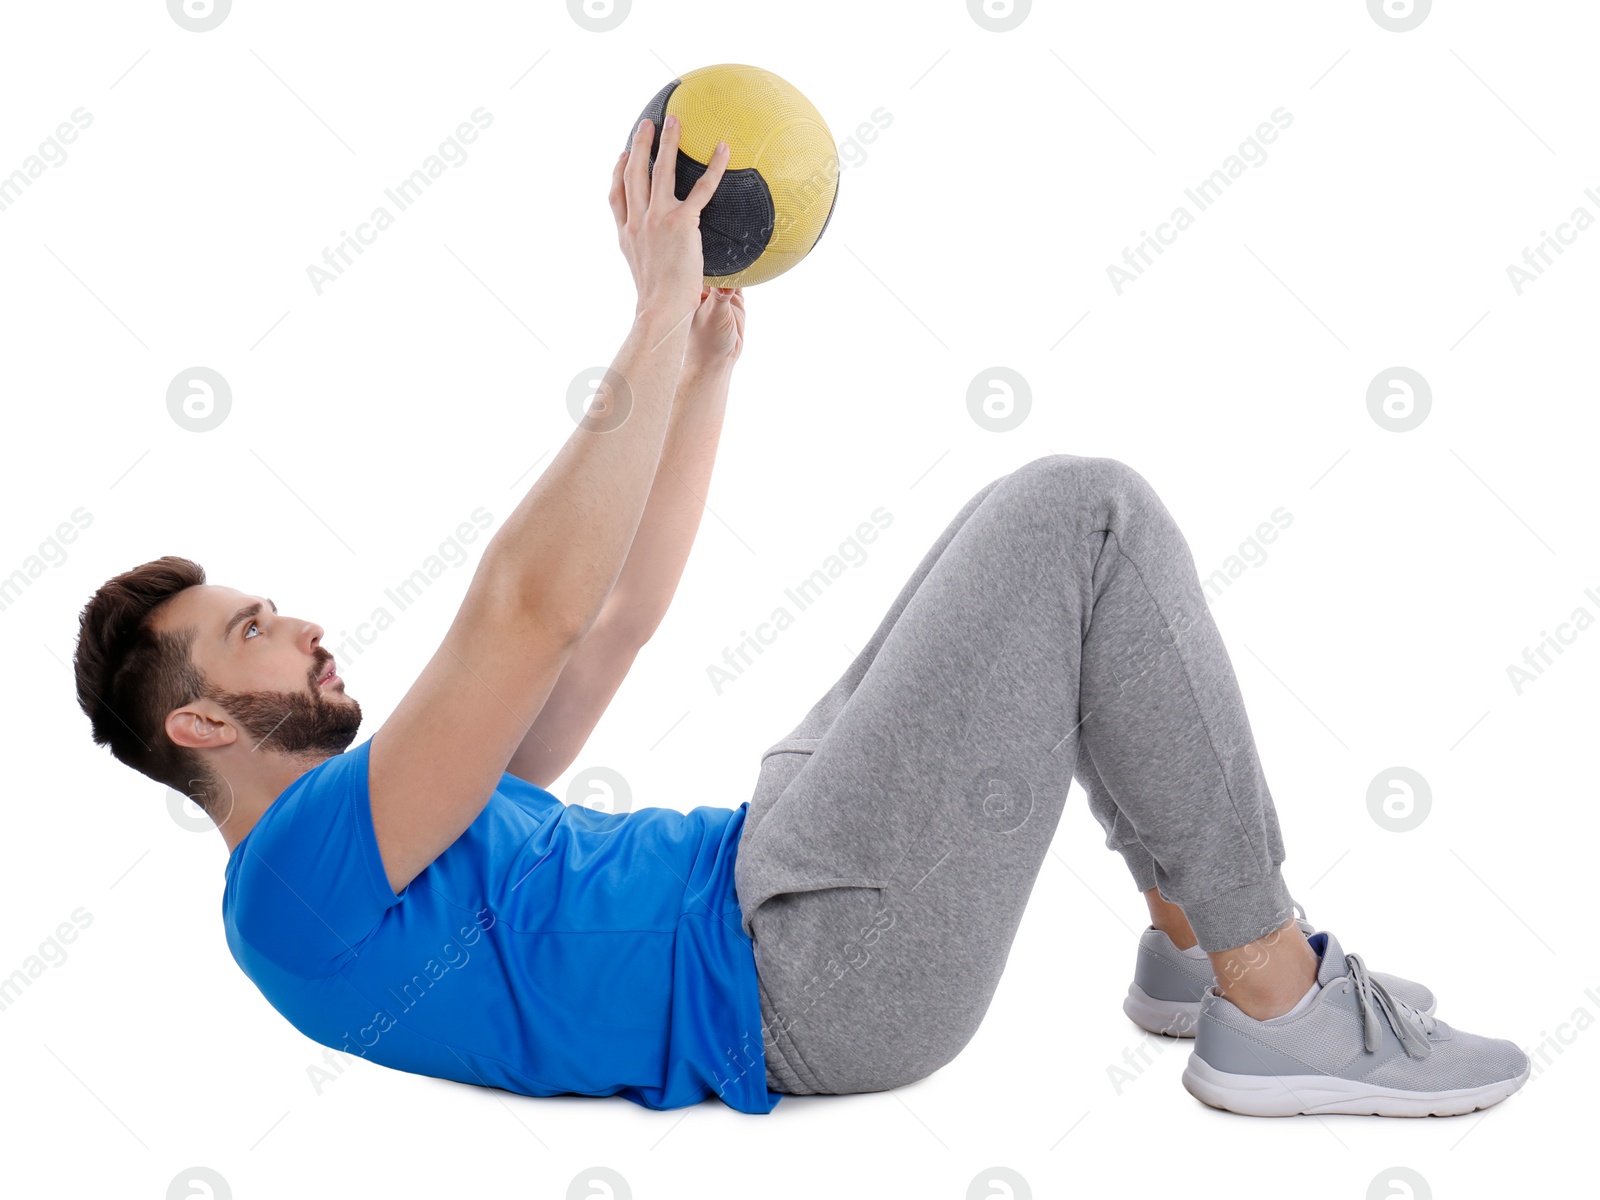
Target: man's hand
[(716, 337), (658, 233)]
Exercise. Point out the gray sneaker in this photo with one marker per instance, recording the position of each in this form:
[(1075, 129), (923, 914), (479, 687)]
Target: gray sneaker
[(1164, 996), (1356, 1048)]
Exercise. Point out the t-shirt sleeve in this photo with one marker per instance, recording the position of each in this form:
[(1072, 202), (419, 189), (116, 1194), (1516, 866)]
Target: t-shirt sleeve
[(311, 886)]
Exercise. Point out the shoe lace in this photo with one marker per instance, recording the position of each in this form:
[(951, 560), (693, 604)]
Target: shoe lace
[(1410, 1025)]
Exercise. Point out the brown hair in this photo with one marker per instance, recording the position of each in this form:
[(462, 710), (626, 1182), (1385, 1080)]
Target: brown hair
[(130, 676)]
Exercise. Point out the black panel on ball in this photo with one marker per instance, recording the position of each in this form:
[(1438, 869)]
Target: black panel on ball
[(656, 110), (737, 222)]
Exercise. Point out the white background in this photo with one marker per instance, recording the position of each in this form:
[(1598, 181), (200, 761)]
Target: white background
[(975, 231)]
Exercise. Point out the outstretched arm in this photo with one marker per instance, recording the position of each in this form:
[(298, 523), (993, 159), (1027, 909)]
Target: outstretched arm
[(656, 559), (545, 575)]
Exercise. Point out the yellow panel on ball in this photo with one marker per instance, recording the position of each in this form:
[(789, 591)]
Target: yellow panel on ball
[(779, 189)]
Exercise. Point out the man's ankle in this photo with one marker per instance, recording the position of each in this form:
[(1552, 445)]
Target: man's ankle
[(1169, 918), (1181, 937), (1268, 977)]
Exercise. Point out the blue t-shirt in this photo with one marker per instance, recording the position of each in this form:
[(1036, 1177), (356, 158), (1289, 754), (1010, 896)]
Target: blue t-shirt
[(550, 949)]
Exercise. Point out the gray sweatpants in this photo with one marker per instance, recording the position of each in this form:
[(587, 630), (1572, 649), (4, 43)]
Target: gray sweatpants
[(1056, 628)]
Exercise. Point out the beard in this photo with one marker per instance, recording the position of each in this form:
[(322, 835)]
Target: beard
[(292, 722)]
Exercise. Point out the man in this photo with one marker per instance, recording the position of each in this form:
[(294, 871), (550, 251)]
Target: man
[(423, 901)]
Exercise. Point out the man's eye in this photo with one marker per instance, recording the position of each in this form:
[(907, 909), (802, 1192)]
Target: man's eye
[(247, 629)]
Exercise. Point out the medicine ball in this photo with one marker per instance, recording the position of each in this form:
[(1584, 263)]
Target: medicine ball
[(782, 179)]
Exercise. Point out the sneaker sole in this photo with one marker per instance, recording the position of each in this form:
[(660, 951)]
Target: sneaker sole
[(1294, 1095), (1174, 1018), (1171, 1018)]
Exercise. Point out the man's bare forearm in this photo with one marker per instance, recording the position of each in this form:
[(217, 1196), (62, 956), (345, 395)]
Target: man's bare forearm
[(560, 551), (644, 588), (666, 533)]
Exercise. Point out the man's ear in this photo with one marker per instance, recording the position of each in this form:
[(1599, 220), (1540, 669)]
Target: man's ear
[(200, 726)]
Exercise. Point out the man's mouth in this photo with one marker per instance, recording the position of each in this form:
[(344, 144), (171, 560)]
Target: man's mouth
[(329, 676)]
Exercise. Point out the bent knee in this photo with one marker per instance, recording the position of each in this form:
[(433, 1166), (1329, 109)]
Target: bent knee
[(1062, 477)]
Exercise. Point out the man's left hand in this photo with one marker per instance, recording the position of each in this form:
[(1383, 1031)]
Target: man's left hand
[(716, 336)]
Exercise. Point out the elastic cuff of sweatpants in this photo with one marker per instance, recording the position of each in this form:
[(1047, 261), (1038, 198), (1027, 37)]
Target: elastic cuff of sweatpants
[(1140, 865), (1241, 915)]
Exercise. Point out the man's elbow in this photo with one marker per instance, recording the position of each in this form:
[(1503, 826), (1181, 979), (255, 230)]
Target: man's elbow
[(621, 624), (505, 589)]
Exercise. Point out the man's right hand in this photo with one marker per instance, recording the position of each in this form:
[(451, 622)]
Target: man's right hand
[(660, 234)]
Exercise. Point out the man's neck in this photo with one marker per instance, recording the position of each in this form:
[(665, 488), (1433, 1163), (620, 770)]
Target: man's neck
[(252, 780)]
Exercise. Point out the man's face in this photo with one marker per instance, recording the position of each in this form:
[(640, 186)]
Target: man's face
[(269, 673)]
